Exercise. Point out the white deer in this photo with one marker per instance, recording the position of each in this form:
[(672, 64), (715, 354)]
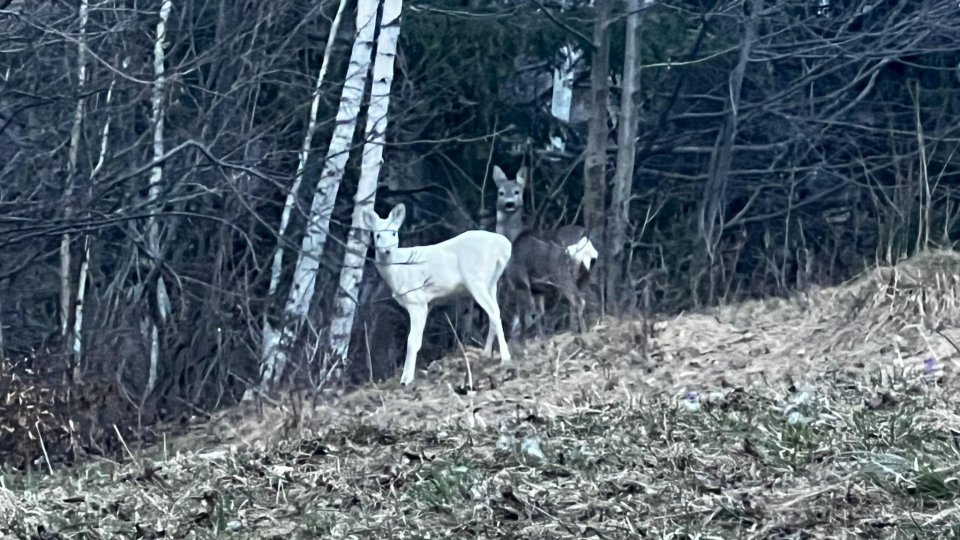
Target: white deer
[(471, 262)]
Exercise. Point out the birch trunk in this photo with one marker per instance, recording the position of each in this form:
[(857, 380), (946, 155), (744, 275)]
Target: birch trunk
[(562, 99), (78, 315), (626, 157), (358, 239), (275, 351), (304, 152), (156, 178), (77, 348), (65, 289)]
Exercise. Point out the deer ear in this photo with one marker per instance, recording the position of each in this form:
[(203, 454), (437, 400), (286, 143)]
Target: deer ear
[(498, 176), (398, 214), (522, 176), (369, 219)]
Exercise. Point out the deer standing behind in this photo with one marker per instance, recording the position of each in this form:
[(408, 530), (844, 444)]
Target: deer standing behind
[(561, 263), (470, 262)]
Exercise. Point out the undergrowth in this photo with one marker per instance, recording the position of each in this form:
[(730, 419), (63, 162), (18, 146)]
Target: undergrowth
[(736, 464)]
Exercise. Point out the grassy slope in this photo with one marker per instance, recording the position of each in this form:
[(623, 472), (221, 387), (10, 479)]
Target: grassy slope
[(819, 417)]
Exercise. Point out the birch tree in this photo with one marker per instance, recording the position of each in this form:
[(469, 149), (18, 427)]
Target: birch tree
[(288, 205), (275, 349), (270, 336), (563, 75), (77, 346), (358, 239), (65, 288), (155, 186)]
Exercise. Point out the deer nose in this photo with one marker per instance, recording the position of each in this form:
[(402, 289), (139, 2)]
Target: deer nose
[(510, 206)]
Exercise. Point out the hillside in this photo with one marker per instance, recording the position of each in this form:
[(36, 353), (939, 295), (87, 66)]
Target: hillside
[(825, 415)]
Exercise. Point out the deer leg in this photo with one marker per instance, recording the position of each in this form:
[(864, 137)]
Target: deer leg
[(529, 306), (488, 346), (418, 319), (581, 306), (541, 311), (576, 322), (489, 305), (511, 311), (491, 328)]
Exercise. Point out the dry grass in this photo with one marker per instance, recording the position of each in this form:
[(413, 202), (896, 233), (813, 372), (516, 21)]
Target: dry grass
[(828, 416)]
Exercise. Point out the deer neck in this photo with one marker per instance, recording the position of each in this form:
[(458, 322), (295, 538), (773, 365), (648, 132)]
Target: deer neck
[(510, 224), (396, 267)]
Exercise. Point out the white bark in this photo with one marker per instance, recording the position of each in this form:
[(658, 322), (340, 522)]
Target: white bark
[(156, 178), (276, 344), (78, 318), (304, 152), (345, 304), (65, 289), (104, 135), (85, 266), (823, 8), (563, 75)]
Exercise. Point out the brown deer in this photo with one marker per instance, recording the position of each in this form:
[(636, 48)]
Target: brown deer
[(538, 266)]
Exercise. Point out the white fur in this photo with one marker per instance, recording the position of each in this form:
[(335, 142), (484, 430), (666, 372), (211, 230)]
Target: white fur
[(470, 262), (583, 252)]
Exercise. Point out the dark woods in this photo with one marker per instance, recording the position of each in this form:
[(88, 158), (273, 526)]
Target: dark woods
[(779, 144)]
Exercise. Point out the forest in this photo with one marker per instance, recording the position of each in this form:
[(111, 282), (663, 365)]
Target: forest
[(183, 182)]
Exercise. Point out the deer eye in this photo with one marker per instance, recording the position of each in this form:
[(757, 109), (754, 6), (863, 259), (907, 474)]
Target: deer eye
[(516, 192), (500, 192), (378, 236)]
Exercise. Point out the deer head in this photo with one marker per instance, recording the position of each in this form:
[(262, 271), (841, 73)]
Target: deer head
[(509, 192), (386, 238)]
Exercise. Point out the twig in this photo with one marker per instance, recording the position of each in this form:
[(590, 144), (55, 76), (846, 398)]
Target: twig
[(463, 351), (950, 341), (125, 447), (366, 339), (586, 41), (43, 447), (486, 171)]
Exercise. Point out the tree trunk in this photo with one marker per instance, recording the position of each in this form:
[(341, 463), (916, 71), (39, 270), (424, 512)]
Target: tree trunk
[(562, 99), (78, 315), (65, 289), (156, 179), (358, 239), (714, 193), (304, 152), (626, 156), (276, 347), (595, 158), (270, 337), (78, 309)]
